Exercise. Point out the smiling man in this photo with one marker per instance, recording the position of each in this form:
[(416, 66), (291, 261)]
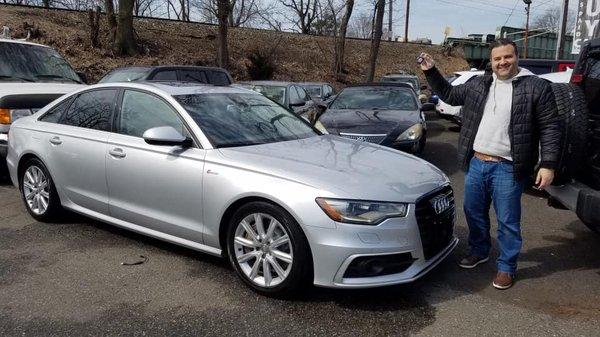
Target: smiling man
[(509, 117)]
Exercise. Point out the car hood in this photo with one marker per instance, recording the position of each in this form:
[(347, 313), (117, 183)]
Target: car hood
[(369, 121), (24, 88), (340, 167)]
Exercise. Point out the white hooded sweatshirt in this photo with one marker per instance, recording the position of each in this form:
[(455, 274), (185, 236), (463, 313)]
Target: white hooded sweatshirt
[(492, 136)]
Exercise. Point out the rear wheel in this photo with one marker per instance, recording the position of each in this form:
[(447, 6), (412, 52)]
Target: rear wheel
[(38, 191), (268, 249)]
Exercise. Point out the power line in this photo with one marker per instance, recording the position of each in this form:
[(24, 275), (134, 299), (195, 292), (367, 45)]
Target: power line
[(479, 8), (544, 3), (488, 4), (511, 12)]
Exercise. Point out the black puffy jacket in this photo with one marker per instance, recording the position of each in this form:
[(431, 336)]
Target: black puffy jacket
[(534, 119)]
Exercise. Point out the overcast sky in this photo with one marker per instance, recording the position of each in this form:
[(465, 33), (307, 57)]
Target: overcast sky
[(428, 18)]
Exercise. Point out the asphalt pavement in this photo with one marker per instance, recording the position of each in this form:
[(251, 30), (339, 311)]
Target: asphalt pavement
[(67, 279)]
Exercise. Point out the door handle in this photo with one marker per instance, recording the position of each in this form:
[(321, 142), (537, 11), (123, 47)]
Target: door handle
[(117, 152), (55, 140)]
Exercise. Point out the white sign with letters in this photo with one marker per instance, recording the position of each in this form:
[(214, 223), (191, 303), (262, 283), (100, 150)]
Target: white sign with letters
[(588, 23)]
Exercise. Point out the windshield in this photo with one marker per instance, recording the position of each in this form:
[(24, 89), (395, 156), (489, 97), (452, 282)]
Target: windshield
[(380, 98), (313, 90), (125, 75), (31, 63), (275, 93), (243, 119)]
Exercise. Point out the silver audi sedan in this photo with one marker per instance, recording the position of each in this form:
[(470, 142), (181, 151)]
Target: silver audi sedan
[(228, 172)]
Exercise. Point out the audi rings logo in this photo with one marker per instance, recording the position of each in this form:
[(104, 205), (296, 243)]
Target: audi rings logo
[(361, 139), (440, 203)]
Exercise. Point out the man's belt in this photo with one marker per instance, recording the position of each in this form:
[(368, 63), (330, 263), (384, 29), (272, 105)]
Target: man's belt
[(487, 157)]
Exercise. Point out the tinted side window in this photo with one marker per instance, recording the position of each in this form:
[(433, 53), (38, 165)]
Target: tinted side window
[(54, 114), (302, 94), (92, 110), (167, 75), (219, 78), (294, 97), (193, 76), (141, 111)]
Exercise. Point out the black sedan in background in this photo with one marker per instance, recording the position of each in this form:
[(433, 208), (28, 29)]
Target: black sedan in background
[(388, 114)]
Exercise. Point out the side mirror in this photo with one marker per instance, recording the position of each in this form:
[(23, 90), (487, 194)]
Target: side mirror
[(166, 135), (428, 107), (82, 76)]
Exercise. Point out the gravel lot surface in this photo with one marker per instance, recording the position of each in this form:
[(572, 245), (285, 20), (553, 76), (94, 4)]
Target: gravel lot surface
[(66, 279)]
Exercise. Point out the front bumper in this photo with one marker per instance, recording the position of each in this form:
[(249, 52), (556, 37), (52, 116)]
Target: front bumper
[(581, 199), (334, 250)]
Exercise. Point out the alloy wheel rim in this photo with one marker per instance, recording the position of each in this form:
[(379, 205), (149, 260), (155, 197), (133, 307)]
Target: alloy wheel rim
[(263, 250), (36, 190)]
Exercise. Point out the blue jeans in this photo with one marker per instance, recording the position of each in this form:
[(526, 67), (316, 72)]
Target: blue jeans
[(493, 182)]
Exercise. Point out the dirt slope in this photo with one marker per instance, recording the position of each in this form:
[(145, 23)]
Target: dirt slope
[(297, 57)]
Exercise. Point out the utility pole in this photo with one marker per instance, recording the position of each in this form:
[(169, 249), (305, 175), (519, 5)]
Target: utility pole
[(525, 46), (560, 47), (390, 21), (406, 21)]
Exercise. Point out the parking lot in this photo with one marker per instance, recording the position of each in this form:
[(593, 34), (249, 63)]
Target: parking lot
[(68, 279)]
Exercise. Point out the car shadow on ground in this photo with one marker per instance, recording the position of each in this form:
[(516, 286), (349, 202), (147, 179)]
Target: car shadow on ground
[(579, 251)]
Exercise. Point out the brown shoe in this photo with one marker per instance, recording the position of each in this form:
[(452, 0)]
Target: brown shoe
[(503, 280), (472, 261)]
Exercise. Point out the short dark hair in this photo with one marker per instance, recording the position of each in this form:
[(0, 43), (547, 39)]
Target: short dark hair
[(504, 42)]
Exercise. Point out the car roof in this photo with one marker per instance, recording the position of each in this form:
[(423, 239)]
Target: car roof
[(167, 67), (22, 42), (399, 75), (313, 83), (271, 83), (382, 84), (175, 88)]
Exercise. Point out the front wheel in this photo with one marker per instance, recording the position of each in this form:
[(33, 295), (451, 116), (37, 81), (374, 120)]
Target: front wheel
[(268, 249)]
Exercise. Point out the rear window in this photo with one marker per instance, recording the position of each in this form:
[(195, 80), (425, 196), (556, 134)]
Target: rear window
[(219, 78), (125, 75)]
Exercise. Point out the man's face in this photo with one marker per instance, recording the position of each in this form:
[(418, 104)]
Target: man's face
[(505, 63)]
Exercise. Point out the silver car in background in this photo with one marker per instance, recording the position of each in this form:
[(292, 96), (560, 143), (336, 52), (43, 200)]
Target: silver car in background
[(228, 172)]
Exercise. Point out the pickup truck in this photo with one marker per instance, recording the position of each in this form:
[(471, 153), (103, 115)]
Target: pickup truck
[(581, 193), (31, 76)]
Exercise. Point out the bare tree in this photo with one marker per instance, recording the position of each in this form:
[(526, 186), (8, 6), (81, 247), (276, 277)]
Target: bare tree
[(361, 27), (223, 15), (243, 12), (306, 12), (94, 21), (341, 39), (125, 39), (550, 20), (109, 7), (376, 40)]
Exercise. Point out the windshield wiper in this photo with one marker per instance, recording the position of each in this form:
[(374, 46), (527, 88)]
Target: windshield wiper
[(57, 76), (17, 77), (239, 144)]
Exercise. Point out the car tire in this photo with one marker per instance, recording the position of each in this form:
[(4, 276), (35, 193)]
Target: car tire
[(260, 259), (38, 191), (572, 109)]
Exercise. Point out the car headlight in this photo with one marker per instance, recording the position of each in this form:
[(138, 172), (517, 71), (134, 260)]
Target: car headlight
[(8, 116), (361, 212), (412, 133)]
